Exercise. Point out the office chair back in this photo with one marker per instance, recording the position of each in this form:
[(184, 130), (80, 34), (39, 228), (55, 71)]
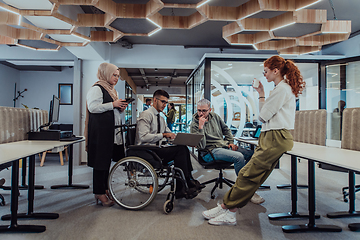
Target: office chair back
[(351, 129), (310, 127)]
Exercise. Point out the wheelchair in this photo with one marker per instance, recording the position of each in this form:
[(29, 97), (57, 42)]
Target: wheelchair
[(134, 182)]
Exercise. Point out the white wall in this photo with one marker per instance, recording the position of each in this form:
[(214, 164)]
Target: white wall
[(42, 85), (8, 78)]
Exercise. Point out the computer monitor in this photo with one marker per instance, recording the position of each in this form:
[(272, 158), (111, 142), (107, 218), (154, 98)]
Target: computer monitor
[(257, 132), (54, 110)]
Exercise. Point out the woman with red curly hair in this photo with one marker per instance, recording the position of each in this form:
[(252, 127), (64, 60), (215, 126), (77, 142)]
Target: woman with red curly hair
[(277, 113)]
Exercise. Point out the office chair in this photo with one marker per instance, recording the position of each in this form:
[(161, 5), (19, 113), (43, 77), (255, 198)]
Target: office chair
[(218, 165), (2, 167)]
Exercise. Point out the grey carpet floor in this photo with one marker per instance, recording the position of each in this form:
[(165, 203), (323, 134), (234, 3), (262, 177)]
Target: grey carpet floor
[(81, 218)]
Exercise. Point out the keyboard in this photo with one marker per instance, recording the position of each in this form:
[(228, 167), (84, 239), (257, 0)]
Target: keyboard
[(69, 139)]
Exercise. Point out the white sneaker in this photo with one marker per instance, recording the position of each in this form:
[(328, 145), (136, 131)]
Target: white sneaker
[(256, 199), (214, 212), (227, 218)]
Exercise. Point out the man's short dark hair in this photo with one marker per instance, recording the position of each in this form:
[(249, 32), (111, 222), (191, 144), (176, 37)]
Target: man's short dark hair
[(148, 100), (161, 92)]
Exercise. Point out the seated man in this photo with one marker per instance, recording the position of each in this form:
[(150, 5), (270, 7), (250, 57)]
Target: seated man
[(151, 129), (218, 139)]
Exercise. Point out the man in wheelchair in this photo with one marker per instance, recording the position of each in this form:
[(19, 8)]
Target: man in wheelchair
[(151, 130)]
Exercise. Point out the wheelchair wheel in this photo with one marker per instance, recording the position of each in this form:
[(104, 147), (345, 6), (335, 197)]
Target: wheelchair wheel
[(168, 206), (133, 183)]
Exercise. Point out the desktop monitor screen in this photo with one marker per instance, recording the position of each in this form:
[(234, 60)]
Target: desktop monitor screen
[(54, 110)]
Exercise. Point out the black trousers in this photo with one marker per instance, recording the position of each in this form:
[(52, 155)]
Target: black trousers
[(100, 177), (180, 155)]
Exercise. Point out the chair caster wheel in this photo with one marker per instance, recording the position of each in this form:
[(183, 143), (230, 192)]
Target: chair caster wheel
[(212, 197), (168, 206)]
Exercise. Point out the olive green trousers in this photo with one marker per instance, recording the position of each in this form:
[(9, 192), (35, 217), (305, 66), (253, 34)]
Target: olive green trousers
[(271, 146)]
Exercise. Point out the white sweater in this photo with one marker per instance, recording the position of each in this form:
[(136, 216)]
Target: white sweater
[(278, 111)]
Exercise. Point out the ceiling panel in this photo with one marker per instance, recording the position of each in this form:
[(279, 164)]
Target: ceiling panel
[(38, 44), (159, 77), (182, 1), (48, 22), (185, 12), (210, 26), (66, 38), (132, 1), (126, 25), (227, 3), (30, 4), (297, 30)]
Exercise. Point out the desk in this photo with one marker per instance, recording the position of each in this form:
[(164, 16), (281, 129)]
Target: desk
[(315, 153), (70, 171), (247, 131), (294, 213), (17, 150), (12, 152)]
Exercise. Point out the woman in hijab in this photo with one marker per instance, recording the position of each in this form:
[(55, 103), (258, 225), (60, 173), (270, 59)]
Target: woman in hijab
[(102, 142)]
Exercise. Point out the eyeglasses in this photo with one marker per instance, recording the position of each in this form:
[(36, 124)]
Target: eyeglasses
[(203, 110), (163, 101)]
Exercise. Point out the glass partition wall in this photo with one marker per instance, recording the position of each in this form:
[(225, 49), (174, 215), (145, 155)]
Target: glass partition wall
[(342, 91), (128, 110), (232, 95), (194, 92)]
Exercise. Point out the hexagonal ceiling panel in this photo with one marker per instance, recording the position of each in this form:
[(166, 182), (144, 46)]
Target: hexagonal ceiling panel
[(244, 23)]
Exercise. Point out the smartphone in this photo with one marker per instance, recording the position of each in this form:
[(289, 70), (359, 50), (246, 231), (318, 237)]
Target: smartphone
[(129, 100)]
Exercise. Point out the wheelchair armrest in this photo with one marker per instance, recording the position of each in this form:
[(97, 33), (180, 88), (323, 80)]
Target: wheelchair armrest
[(147, 148), (143, 147)]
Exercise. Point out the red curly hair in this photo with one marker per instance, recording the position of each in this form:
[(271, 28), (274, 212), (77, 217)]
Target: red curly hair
[(290, 70)]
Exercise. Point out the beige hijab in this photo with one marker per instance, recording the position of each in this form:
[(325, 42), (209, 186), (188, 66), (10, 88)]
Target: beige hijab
[(104, 74)]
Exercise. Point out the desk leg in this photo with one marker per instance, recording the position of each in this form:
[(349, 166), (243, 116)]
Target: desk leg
[(354, 226), (70, 184), (351, 212), (293, 213), (14, 227), (311, 226), (23, 185), (282, 186), (30, 213)]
